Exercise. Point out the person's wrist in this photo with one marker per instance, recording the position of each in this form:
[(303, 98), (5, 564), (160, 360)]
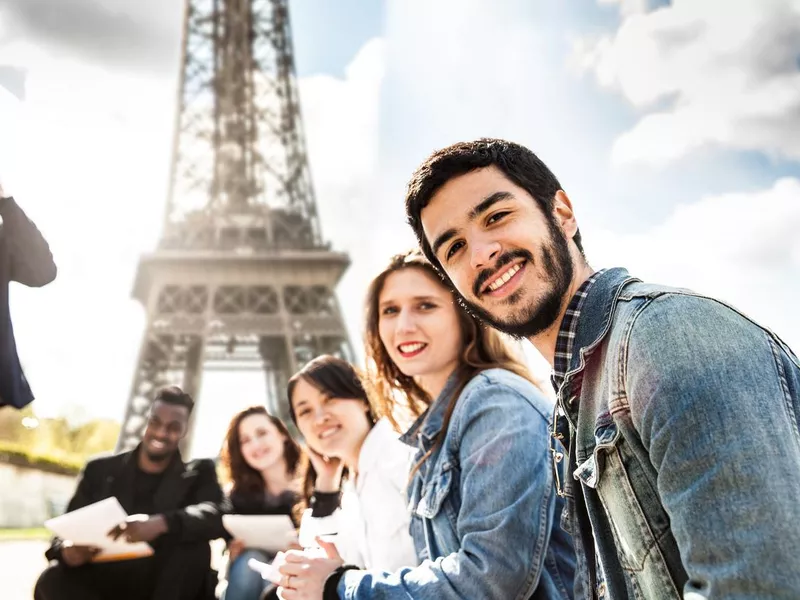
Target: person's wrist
[(325, 485), (332, 582), (162, 523)]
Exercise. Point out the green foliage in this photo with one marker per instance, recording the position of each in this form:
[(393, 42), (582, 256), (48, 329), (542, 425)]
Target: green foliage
[(16, 454), (53, 444)]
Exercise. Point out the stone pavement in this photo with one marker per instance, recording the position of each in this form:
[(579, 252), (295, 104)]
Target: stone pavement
[(21, 562)]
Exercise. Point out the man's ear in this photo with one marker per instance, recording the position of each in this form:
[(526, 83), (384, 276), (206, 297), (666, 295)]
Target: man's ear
[(564, 215)]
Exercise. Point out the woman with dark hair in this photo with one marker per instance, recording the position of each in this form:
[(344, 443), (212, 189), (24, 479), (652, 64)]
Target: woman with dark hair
[(260, 461), (485, 508), (351, 450)]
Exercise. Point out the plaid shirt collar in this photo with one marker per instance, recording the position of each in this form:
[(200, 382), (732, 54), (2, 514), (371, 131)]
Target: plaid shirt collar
[(566, 333)]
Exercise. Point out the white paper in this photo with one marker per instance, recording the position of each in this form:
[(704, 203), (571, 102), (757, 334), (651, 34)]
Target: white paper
[(268, 571), (89, 526), (271, 533)]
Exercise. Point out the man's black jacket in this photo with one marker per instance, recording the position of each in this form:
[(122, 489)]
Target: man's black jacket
[(189, 496)]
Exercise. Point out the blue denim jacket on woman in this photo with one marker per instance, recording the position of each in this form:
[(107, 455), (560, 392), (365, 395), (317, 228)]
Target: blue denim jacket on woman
[(681, 419), (484, 507)]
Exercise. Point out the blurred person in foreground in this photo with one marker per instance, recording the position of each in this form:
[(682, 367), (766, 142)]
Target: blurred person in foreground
[(174, 507), (25, 258), (260, 460), (681, 415)]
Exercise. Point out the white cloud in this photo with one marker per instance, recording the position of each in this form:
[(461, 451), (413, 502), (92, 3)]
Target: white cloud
[(704, 73), (342, 122), (742, 248), (90, 154)]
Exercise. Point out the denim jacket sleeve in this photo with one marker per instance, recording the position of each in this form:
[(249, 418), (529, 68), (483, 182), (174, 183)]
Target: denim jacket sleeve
[(500, 441), (710, 395)]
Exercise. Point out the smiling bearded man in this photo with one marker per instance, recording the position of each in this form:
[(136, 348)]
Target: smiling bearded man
[(681, 415), (174, 506)]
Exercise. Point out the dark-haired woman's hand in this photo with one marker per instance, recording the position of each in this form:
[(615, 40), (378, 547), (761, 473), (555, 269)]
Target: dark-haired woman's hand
[(303, 574), (329, 471)]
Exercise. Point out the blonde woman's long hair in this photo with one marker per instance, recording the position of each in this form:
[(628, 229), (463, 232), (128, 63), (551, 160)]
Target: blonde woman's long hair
[(391, 390)]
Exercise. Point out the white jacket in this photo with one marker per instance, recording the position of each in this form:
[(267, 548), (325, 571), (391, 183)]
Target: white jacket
[(372, 522)]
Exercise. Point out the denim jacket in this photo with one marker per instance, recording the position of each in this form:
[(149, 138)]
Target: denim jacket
[(681, 420), (484, 507)]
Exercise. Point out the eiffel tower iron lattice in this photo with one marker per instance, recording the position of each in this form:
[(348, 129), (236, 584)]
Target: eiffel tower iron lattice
[(241, 278)]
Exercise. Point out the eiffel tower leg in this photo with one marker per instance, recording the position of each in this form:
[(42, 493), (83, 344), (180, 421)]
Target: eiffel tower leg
[(346, 348), (164, 359), (150, 374), (277, 370), (192, 380)]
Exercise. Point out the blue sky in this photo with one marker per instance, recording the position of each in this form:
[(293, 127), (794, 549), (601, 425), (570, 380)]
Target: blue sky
[(327, 35), (668, 124)]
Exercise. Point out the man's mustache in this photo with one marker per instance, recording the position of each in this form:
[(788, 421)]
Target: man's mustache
[(504, 260)]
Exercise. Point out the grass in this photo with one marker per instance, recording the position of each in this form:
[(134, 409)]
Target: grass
[(29, 533)]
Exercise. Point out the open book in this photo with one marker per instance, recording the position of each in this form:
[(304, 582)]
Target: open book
[(89, 526)]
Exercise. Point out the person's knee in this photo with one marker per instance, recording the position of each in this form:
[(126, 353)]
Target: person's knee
[(198, 554), (194, 555), (49, 582), (242, 581), (184, 571)]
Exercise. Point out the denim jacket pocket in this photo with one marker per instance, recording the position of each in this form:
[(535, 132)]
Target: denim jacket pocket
[(629, 500), (435, 492)]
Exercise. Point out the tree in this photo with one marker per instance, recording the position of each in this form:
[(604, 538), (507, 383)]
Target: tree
[(18, 426)]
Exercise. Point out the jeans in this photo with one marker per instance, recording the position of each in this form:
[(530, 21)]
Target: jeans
[(243, 582)]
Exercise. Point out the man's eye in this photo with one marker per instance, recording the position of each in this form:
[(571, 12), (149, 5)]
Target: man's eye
[(453, 249), (496, 217)]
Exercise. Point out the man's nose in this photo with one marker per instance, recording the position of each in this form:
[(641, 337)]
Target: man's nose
[(484, 253)]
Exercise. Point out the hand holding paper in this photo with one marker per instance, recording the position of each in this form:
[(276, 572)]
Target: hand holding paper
[(268, 571), (75, 556), (89, 526), (139, 528)]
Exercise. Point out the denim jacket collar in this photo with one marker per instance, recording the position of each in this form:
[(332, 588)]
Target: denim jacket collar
[(595, 320), (429, 424)]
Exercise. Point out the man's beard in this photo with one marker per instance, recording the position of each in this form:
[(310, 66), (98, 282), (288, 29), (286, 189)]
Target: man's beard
[(538, 316)]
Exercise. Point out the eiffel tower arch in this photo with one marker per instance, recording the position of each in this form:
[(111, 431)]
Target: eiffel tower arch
[(241, 277)]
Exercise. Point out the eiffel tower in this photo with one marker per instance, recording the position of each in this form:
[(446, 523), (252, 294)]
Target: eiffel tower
[(241, 278)]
